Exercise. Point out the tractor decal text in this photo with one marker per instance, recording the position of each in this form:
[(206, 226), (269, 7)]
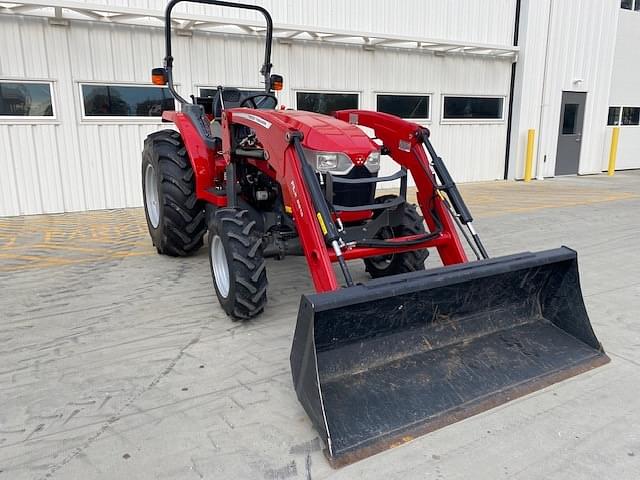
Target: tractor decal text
[(254, 118), (294, 192)]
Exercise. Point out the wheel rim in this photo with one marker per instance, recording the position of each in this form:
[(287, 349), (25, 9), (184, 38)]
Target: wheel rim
[(151, 195), (219, 266), (382, 262)]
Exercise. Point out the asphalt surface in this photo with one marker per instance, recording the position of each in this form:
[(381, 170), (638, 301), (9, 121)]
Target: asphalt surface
[(117, 363)]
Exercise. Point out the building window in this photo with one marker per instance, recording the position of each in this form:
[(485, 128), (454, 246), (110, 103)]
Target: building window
[(326, 103), (623, 116), (472, 108), (630, 5), (630, 116), (125, 100), (404, 106), (614, 116), (260, 102), (26, 99), (244, 92), (569, 121)]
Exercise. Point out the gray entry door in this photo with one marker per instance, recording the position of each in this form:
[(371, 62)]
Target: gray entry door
[(570, 133)]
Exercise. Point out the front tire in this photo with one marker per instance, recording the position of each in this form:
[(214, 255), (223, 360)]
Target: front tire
[(237, 263), (386, 265), (175, 217)]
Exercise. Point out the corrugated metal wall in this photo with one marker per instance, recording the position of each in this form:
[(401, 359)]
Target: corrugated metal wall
[(581, 47), (625, 87), (489, 21), (533, 31), (72, 164), (582, 35)]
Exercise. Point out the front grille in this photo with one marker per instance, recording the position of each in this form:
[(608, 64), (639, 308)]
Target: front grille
[(354, 195)]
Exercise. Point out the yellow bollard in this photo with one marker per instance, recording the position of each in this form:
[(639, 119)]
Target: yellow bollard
[(613, 153), (528, 166)]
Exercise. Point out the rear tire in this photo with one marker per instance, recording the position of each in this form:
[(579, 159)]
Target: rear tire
[(175, 217), (237, 264), (412, 224)]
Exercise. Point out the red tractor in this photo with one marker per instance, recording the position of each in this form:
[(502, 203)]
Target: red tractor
[(408, 352)]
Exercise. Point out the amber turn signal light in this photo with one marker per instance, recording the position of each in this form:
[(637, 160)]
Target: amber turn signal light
[(159, 76), (277, 82)]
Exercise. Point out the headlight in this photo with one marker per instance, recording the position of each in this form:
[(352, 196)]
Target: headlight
[(373, 162), (334, 162)]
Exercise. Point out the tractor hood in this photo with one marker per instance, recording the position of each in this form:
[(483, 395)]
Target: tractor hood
[(328, 134)]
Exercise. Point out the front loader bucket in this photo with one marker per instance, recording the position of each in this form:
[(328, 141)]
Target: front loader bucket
[(378, 364)]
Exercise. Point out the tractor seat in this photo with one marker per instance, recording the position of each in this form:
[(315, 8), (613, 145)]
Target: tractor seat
[(231, 97)]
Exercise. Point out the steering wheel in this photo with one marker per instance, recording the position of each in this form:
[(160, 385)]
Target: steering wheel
[(251, 100)]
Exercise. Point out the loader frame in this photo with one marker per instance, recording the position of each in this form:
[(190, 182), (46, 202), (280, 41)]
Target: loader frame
[(405, 143)]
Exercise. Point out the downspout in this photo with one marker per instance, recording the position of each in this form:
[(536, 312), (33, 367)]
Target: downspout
[(516, 30), (540, 161)]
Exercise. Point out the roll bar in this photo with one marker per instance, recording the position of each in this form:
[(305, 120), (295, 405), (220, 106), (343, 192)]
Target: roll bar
[(265, 71)]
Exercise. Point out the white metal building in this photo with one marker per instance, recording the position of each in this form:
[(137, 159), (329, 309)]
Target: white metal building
[(624, 97), (76, 100)]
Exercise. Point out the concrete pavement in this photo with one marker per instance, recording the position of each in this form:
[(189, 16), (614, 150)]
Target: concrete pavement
[(116, 362)]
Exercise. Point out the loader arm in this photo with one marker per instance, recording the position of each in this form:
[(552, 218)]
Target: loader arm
[(309, 211), (404, 140)]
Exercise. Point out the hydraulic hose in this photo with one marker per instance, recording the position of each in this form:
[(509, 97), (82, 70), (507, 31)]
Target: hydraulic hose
[(406, 243), (448, 186)]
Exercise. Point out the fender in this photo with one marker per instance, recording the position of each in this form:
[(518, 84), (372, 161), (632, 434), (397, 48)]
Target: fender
[(208, 166)]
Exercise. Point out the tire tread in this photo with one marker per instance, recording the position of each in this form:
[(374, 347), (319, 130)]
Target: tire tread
[(249, 266), (183, 225)]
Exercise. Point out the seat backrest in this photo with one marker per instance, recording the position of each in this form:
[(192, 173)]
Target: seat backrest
[(231, 97), (206, 102)]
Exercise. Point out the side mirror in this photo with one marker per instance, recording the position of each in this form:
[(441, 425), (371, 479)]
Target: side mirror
[(159, 76), (276, 82)]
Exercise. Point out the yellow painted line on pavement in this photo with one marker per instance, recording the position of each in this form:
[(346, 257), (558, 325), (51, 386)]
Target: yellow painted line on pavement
[(34, 258), (543, 206), (44, 262), (92, 238)]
